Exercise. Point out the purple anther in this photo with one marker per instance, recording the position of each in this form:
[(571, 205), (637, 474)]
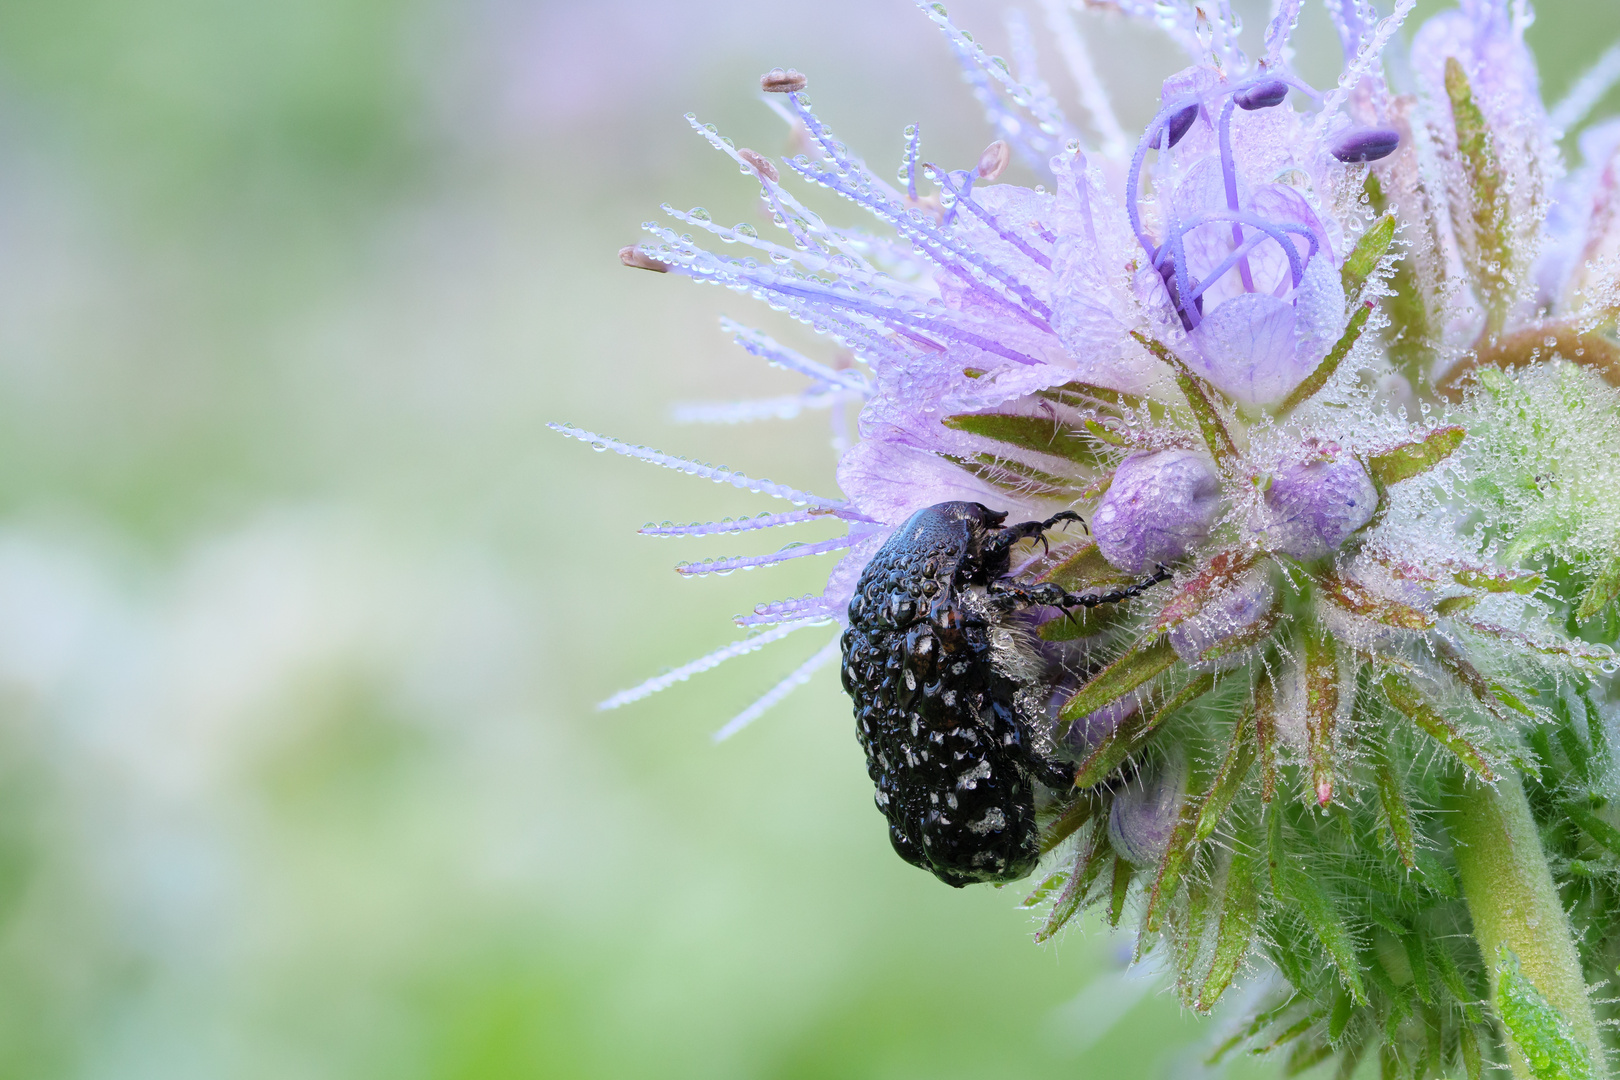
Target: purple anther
[(1179, 124), (1365, 144), (1262, 95)]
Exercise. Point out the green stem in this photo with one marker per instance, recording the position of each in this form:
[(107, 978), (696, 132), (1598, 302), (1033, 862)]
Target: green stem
[(1513, 903)]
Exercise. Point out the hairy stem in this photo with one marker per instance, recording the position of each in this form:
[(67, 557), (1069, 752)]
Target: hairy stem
[(1513, 903)]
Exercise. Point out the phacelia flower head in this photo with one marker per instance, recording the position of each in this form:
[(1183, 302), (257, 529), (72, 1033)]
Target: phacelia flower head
[(1300, 622)]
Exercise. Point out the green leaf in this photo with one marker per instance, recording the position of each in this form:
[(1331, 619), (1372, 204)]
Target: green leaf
[(1409, 459), (1543, 1034), (1473, 1060), (1601, 593), (1406, 699), (1330, 363), (1363, 258), (1144, 661), (1199, 396), (1042, 434), (1117, 745)]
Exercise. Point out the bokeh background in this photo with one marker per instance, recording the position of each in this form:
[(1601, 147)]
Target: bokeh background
[(304, 613)]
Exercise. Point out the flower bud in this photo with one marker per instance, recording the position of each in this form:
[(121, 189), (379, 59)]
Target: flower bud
[(1261, 95), (1159, 505), (1223, 629), (1144, 813), (1178, 125), (1365, 144), (1312, 508), (1088, 732), (777, 81)]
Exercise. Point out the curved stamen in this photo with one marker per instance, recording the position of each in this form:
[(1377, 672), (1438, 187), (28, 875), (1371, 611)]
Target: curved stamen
[(1229, 175)]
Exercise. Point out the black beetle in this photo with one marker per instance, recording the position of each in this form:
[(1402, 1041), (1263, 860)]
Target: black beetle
[(935, 672)]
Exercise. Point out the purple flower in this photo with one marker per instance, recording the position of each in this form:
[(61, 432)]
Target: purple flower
[(1158, 506)]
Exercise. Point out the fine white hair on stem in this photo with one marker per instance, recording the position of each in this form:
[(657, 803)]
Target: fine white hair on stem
[(1093, 98), (1587, 90), (705, 663), (801, 675)]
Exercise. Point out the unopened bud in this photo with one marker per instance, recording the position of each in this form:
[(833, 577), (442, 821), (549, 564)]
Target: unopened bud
[(761, 164), (634, 256), (1365, 144), (1313, 507), (1159, 505), (1145, 812), (1179, 124), (778, 81), (1262, 95), (1228, 626), (994, 160)]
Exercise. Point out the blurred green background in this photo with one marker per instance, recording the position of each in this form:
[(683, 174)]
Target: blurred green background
[(303, 613)]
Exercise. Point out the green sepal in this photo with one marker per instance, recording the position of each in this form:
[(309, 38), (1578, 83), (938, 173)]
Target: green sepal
[(1067, 823), (1121, 887), (1455, 605), (1410, 703), (1039, 895), (1326, 922), (1409, 459), (1144, 661), (1198, 393), (1305, 1055), (1259, 1023), (1015, 477), (1601, 593), (1397, 811), (1083, 395), (1228, 780), (1088, 865), (1171, 865), (1543, 1034), (1234, 933), (1473, 1060), (1417, 959), (1321, 710), (1117, 745), (1363, 258), (1509, 581), (1105, 434), (1330, 363), (1488, 221), (1041, 434)]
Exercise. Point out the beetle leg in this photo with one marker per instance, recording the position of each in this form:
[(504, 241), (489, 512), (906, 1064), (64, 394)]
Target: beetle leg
[(1011, 534), (1050, 594)]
